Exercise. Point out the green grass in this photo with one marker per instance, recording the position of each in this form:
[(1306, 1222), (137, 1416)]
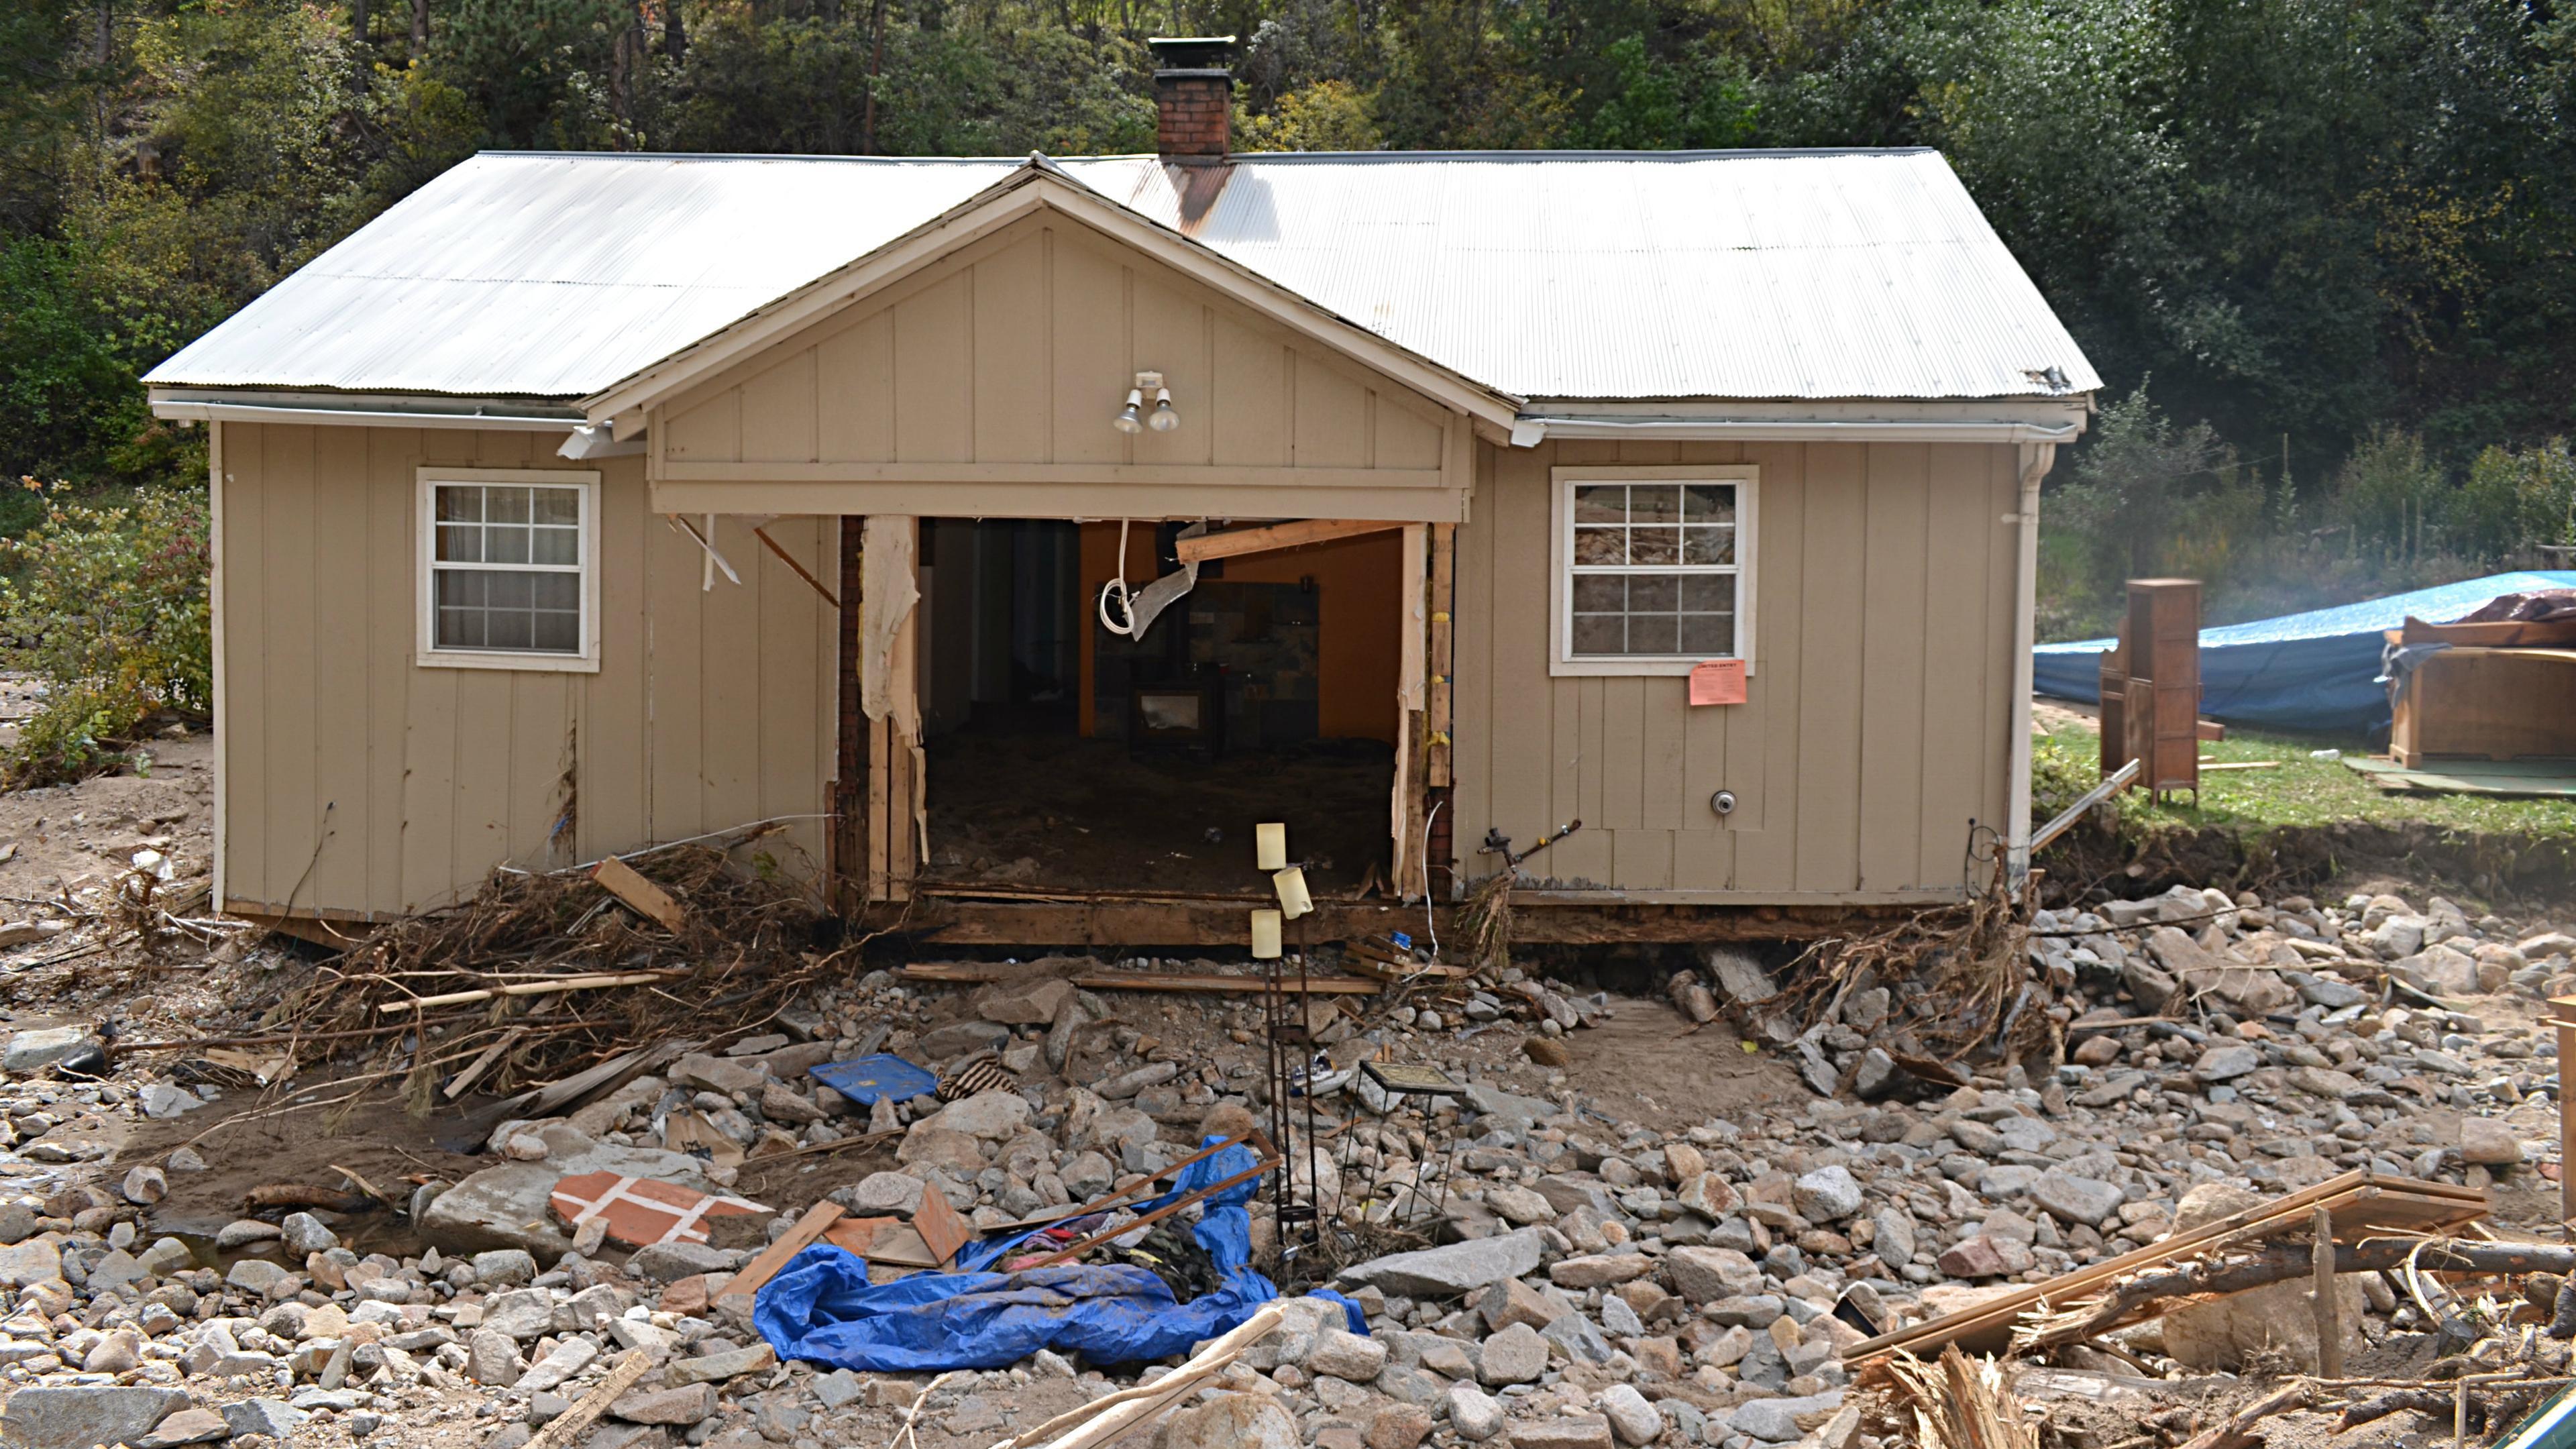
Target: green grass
[(2310, 792)]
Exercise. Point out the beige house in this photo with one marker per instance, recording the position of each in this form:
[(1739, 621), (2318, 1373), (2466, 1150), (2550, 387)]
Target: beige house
[(587, 502)]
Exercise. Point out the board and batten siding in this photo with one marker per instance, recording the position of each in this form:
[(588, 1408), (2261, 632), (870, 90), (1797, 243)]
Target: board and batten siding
[(984, 385), (356, 782), (1877, 719)]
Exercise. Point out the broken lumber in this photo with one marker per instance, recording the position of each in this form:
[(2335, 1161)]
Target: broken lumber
[(2360, 1202), (649, 900), (595, 982), (2237, 1432), (2176, 1286), (942, 1231), (570, 1425), (1298, 533), (1076, 1250), (817, 1220), (1123, 1413)]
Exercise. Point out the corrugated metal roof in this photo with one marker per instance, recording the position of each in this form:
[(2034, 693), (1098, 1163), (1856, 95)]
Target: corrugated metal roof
[(1596, 276)]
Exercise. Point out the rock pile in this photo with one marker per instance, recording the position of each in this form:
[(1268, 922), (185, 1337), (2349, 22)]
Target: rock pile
[(1591, 1282)]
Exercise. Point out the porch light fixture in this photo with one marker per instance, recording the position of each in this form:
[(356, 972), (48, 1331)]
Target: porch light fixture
[(1133, 418)]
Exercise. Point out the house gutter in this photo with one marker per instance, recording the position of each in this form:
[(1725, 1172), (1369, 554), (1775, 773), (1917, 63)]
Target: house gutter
[(2035, 460), (371, 414), (1529, 430)]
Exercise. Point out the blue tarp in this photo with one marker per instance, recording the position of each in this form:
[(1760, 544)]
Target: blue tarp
[(822, 1309), (2315, 671)]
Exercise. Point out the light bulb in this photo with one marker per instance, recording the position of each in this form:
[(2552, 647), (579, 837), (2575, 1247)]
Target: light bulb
[(1164, 418), (1128, 420)]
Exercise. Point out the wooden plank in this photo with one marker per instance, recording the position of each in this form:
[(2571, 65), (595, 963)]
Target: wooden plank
[(1438, 720), (858, 1235), (817, 1220), (1075, 1250), (934, 396), (2284, 1214), (942, 1231), (2321, 1292), (779, 418), (570, 1425), (620, 880), (789, 559), (1412, 623), (1297, 533), (946, 971)]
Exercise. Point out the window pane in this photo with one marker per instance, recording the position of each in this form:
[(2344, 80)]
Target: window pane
[(1600, 634), (1600, 593), (1601, 503), (1659, 504), (460, 543), (506, 505), (559, 506), (1708, 545), (1708, 502), (511, 590), (510, 629), (460, 588), (557, 546), (505, 609), (504, 545), (559, 633), (1708, 593), (1654, 545), (460, 502), (1654, 593), (1600, 546), (1653, 633), (1708, 634)]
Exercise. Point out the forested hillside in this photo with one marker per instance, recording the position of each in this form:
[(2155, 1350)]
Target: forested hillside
[(2304, 227)]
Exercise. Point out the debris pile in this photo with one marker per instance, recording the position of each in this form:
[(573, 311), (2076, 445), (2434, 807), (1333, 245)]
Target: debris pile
[(1529, 1268)]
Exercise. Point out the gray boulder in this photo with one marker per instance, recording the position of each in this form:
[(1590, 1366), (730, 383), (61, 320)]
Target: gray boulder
[(1451, 1271), (82, 1415)]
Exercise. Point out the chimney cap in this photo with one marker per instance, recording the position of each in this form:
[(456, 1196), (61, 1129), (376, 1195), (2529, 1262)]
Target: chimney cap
[(1191, 52)]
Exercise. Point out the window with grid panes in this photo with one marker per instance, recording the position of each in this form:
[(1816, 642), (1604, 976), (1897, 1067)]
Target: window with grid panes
[(506, 565), (1653, 570)]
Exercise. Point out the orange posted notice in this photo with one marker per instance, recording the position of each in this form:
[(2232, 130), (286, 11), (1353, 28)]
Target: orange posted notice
[(1717, 681)]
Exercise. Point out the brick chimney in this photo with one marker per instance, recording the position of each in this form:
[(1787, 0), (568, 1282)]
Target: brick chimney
[(1193, 97)]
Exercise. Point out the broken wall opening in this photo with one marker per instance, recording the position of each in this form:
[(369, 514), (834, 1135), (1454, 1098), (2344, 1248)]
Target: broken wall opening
[(1065, 756)]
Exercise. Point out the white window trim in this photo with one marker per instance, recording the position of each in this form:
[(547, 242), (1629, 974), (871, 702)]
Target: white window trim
[(1560, 627), (426, 654)]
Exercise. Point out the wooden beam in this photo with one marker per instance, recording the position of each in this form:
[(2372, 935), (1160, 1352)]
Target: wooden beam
[(1443, 665), (762, 533), (968, 972), (1110, 921), (2321, 1279), (817, 1220), (1297, 533), (621, 880)]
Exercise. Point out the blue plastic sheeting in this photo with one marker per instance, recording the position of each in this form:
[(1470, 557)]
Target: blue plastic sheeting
[(822, 1309), (2314, 671), (868, 1078)]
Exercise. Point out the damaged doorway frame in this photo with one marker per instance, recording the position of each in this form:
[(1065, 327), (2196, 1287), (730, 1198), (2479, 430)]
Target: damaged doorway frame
[(879, 795)]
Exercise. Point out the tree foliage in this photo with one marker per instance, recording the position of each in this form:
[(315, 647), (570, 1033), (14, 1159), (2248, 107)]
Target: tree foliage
[(2326, 228)]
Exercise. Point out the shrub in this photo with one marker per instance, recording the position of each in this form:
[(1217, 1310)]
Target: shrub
[(110, 608)]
